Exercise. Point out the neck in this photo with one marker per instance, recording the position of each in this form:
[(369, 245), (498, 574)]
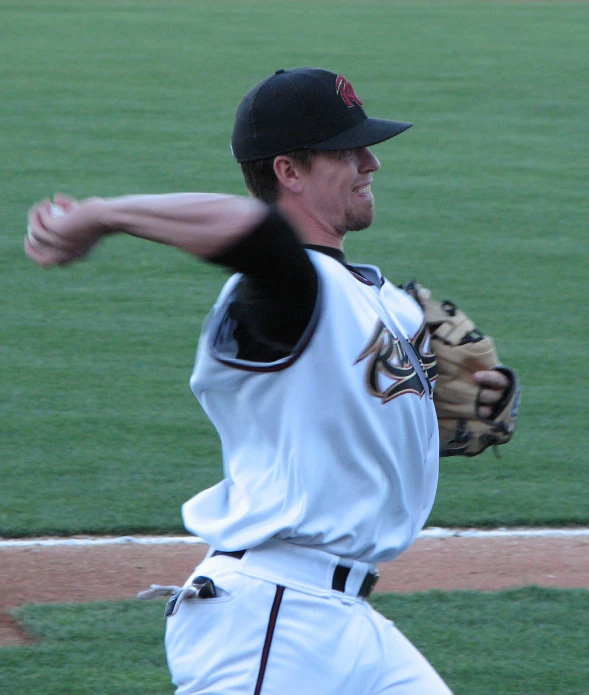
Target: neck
[(309, 229)]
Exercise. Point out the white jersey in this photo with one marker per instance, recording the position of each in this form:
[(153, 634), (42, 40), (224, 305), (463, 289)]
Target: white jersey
[(334, 447)]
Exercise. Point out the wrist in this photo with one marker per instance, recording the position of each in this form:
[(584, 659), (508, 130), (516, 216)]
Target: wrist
[(101, 214)]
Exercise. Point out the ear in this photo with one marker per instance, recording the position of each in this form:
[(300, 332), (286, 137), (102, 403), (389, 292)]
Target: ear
[(289, 173)]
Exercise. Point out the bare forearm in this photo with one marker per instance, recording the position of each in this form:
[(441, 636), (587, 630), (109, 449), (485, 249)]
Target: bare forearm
[(202, 224)]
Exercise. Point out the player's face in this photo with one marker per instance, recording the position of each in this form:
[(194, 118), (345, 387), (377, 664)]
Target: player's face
[(338, 189)]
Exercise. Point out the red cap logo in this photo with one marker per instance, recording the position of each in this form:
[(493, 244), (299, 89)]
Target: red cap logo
[(346, 92)]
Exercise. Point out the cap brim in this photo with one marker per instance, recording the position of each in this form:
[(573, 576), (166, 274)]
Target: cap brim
[(368, 132)]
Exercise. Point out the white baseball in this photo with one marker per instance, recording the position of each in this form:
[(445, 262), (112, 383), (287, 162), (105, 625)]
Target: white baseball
[(56, 212)]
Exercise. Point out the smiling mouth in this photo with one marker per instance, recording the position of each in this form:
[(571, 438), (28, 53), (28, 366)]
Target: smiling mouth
[(364, 190)]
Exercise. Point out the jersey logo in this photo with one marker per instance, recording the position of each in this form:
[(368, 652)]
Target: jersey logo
[(346, 92), (427, 357), (389, 372)]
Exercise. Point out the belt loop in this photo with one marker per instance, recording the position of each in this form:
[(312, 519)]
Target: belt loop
[(355, 579), (301, 568)]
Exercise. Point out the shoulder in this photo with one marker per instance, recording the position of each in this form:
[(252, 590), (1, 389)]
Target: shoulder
[(228, 289)]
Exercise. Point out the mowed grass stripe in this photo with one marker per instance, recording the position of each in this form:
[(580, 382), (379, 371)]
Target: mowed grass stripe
[(484, 200), (510, 642)]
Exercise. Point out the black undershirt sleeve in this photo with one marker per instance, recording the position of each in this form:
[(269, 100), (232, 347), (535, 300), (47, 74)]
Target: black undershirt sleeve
[(274, 302)]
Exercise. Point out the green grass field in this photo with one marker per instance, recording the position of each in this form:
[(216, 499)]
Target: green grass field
[(509, 643), (484, 200)]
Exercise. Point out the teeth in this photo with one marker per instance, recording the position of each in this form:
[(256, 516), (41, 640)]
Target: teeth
[(364, 189)]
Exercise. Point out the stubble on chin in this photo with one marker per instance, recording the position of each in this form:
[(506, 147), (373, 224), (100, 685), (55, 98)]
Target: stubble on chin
[(357, 220)]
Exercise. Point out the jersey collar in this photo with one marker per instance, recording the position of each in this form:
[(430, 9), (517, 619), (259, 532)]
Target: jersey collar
[(338, 254), (370, 278)]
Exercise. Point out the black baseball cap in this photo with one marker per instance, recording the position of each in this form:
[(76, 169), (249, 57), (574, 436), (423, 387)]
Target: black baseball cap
[(304, 108)]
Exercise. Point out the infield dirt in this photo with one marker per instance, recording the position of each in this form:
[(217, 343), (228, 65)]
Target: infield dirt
[(66, 574)]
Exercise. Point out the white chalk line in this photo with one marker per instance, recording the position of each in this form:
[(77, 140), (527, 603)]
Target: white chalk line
[(431, 532)]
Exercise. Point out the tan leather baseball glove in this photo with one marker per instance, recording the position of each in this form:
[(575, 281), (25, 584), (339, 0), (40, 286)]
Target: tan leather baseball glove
[(461, 350)]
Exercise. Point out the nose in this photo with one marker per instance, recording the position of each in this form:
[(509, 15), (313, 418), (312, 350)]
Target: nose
[(367, 161)]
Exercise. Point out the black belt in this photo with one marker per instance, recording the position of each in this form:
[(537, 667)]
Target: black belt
[(340, 575)]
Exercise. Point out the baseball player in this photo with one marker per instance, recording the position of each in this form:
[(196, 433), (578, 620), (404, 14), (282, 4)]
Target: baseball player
[(318, 376)]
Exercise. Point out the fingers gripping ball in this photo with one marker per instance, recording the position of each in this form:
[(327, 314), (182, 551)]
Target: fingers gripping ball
[(461, 349), (56, 212)]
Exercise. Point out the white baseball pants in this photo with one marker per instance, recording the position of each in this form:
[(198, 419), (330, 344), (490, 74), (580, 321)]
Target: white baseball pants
[(278, 628)]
